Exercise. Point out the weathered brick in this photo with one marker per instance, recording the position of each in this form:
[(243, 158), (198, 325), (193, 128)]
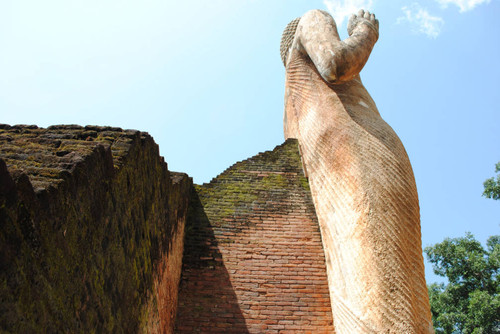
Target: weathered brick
[(258, 219)]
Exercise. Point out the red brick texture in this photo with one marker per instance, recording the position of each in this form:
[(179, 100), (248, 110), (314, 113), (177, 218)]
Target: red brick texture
[(253, 257)]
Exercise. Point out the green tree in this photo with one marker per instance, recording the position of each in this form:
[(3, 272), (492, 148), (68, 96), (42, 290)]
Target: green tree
[(470, 302), (492, 186)]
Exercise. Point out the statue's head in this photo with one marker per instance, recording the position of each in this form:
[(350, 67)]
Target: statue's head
[(287, 39)]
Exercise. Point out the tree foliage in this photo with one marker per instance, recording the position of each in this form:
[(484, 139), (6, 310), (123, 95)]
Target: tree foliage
[(470, 302), (492, 185)]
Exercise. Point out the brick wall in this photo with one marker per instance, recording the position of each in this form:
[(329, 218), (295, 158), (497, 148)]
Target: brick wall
[(253, 259), (91, 231)]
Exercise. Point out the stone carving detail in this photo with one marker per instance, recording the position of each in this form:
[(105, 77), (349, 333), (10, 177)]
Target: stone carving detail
[(361, 179)]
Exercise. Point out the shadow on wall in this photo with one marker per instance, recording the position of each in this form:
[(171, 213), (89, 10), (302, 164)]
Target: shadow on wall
[(207, 301)]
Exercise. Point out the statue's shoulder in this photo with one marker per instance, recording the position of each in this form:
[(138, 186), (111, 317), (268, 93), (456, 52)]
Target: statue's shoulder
[(315, 17)]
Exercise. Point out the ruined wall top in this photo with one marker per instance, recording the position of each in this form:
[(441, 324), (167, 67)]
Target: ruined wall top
[(47, 155)]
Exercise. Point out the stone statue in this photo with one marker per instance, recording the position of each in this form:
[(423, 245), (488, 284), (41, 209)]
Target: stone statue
[(360, 176)]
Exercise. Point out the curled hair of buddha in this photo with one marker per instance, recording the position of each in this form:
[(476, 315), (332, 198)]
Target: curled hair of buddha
[(287, 38)]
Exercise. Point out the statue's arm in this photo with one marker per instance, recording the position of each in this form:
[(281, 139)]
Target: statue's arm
[(337, 60)]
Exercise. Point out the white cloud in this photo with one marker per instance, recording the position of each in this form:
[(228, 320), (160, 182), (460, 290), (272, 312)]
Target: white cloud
[(421, 21), (464, 5), (343, 9)]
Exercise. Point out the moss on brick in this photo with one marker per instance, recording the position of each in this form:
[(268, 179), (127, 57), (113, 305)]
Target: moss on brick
[(85, 214), (240, 187)]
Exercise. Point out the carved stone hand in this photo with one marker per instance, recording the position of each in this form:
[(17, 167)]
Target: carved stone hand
[(363, 17)]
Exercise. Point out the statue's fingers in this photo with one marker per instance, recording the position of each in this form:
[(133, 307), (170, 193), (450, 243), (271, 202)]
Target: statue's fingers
[(372, 17), (367, 15), (361, 13)]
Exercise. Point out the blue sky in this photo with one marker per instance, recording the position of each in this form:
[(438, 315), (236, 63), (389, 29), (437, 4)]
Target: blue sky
[(205, 79)]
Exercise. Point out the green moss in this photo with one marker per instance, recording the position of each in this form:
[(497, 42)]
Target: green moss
[(304, 183), (274, 181), (105, 138)]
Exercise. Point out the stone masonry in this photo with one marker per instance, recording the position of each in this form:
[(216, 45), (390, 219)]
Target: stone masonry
[(91, 231), (253, 258)]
